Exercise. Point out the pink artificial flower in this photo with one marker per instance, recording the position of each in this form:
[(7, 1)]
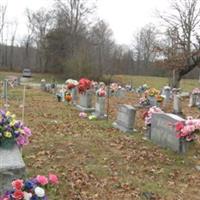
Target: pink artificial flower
[(42, 180), (18, 195), (17, 184), (27, 131), (53, 179), (179, 126)]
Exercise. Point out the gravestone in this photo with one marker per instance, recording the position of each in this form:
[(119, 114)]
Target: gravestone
[(11, 167), (177, 108), (194, 100), (125, 118), (85, 104), (5, 89), (121, 92), (100, 108), (163, 132), (74, 94), (152, 100), (166, 92)]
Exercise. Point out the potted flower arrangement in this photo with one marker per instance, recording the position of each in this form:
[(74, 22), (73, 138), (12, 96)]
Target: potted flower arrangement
[(31, 189), (84, 85), (12, 131), (151, 95), (71, 83), (101, 92), (147, 116)]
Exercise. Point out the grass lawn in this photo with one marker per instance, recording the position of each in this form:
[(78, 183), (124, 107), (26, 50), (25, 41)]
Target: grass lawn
[(97, 162)]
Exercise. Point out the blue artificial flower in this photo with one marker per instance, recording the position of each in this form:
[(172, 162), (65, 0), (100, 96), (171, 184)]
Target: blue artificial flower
[(28, 185), (34, 197), (16, 133)]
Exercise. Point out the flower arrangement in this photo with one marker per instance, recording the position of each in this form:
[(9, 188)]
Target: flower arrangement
[(187, 128), (144, 101), (68, 97), (152, 92), (71, 83), (31, 189), (101, 92), (159, 98), (148, 114), (196, 91), (82, 115), (12, 130), (84, 85)]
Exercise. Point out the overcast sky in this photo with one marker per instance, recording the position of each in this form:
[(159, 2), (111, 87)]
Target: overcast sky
[(124, 16)]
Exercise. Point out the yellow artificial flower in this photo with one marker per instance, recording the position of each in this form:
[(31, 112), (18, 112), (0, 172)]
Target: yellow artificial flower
[(8, 134), (12, 123), (8, 113), (13, 116)]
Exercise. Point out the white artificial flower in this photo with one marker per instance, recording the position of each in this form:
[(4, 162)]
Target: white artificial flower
[(27, 196), (39, 192)]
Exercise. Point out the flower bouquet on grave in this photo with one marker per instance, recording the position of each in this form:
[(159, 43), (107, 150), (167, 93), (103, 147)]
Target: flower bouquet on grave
[(84, 85), (196, 91), (31, 189), (186, 129), (71, 83), (12, 131), (152, 92), (144, 101), (101, 92)]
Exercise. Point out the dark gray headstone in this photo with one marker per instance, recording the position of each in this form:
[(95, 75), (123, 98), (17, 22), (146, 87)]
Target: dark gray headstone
[(125, 118), (11, 167), (163, 131)]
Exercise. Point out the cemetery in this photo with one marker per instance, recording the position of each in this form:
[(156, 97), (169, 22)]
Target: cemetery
[(81, 148), (100, 100)]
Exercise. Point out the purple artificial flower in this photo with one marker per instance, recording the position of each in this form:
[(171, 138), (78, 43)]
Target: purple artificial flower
[(16, 133)]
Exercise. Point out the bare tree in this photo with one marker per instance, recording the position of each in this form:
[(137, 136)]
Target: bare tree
[(182, 53), (144, 44)]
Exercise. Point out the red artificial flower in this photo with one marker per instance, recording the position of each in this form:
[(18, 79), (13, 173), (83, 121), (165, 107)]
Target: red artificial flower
[(84, 84), (179, 126), (145, 114), (70, 86), (17, 184), (18, 195)]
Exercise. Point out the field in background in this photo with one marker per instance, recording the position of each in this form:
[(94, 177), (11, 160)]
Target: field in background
[(152, 81)]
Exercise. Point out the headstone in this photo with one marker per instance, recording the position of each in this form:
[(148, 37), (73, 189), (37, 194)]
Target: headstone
[(166, 92), (85, 104), (177, 108), (74, 94), (11, 167), (100, 108), (5, 88), (121, 92), (192, 101), (163, 131), (125, 118), (152, 100)]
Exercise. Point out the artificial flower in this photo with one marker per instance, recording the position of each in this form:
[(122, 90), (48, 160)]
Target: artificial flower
[(17, 184), (53, 179), (42, 180), (39, 192)]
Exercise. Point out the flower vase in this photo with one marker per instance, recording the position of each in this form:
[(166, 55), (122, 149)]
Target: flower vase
[(183, 145), (7, 144), (148, 132)]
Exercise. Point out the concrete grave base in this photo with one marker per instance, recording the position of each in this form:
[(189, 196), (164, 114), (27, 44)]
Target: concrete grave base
[(84, 109), (12, 167)]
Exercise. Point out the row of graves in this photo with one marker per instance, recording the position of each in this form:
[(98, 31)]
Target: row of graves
[(14, 135), (170, 130)]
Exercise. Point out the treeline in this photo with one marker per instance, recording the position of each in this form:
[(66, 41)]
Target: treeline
[(71, 41)]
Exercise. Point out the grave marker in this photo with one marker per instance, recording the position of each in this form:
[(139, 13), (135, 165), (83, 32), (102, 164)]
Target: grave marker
[(125, 118), (11, 167), (163, 131)]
